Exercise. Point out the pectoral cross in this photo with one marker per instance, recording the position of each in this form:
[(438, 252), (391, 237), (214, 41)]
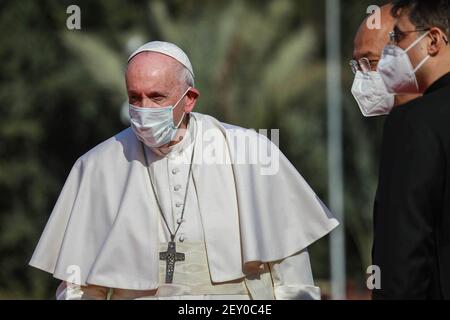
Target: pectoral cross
[(171, 256)]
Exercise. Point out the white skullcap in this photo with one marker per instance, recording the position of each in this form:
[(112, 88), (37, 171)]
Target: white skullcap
[(167, 48)]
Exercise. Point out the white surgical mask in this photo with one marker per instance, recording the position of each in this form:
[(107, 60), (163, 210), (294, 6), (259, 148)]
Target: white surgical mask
[(154, 126), (396, 69), (371, 94)]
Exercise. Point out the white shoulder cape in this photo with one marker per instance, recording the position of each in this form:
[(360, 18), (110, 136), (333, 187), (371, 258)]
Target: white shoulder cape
[(104, 227)]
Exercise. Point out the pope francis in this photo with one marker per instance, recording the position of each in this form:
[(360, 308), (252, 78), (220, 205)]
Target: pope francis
[(180, 205)]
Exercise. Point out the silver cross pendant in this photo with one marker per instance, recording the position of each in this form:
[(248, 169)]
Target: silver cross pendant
[(171, 256)]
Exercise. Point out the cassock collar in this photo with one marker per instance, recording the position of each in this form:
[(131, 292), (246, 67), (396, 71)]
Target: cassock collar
[(439, 84)]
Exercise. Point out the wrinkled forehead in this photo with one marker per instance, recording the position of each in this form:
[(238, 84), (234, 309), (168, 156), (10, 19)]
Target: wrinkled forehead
[(369, 42), (153, 63), (149, 61), (373, 33), (151, 69)]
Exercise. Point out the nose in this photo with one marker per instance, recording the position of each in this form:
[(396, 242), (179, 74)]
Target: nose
[(147, 103)]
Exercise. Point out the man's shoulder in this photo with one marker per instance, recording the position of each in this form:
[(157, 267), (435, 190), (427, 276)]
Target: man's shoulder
[(238, 132), (111, 147), (429, 112), (227, 126), (423, 119), (431, 106)]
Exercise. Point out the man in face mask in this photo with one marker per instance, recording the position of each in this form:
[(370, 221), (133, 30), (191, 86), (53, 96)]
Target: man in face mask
[(412, 207), (181, 205), (161, 94), (368, 87)]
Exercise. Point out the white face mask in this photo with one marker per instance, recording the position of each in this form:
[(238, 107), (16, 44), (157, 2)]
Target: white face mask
[(154, 126), (371, 94), (396, 69)]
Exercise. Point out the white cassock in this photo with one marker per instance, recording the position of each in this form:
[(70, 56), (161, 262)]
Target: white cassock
[(244, 234)]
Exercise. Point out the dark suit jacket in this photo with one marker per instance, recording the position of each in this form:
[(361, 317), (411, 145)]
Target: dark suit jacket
[(412, 206)]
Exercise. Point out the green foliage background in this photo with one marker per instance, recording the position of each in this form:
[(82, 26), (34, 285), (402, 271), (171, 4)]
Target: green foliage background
[(258, 64)]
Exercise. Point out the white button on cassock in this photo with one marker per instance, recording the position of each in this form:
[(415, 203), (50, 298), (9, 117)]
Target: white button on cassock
[(172, 175)]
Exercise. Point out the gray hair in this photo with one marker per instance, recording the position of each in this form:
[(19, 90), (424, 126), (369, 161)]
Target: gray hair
[(186, 76)]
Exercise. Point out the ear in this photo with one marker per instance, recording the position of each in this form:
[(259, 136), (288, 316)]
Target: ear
[(438, 41), (191, 99)]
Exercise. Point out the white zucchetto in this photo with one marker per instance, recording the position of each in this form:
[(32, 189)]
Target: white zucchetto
[(168, 49)]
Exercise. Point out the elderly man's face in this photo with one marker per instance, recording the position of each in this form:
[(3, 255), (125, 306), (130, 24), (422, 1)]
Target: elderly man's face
[(153, 81), (369, 43)]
